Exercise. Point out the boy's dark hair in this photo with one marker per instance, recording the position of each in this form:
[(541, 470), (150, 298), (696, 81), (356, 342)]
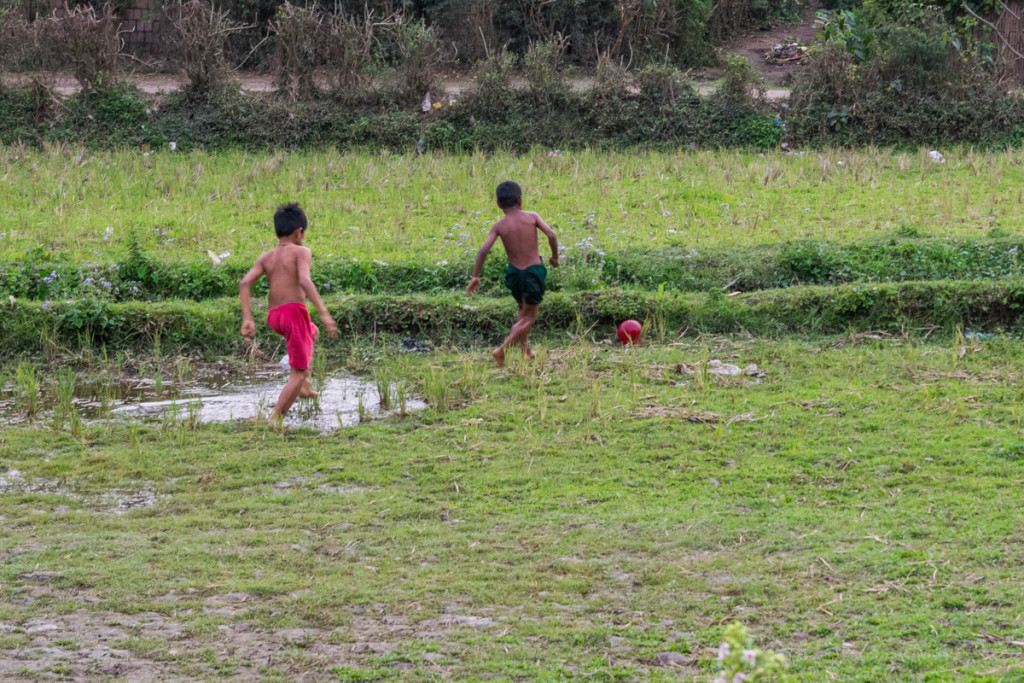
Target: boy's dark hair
[(509, 194), (288, 218)]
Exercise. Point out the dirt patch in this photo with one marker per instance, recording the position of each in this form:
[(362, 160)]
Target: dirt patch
[(153, 647), (756, 44), (109, 501)]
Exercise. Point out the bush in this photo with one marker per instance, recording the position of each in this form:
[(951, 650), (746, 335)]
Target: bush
[(416, 59), (348, 56), (197, 41), (297, 39), (637, 31), (728, 16), (112, 117), (89, 43), (543, 66), (493, 97), (807, 263), (23, 43), (916, 82), (21, 113), (739, 114)]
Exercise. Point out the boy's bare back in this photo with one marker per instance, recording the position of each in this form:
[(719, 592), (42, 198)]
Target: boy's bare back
[(518, 234), (284, 266), (525, 274), (287, 267)]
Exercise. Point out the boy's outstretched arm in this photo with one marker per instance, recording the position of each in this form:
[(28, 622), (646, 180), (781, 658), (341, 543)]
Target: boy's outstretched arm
[(254, 274), (552, 240), (474, 282), (309, 289)]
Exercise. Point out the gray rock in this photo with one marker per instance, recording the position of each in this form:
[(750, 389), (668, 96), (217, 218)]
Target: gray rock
[(372, 648), (670, 659), (292, 635), (475, 622)]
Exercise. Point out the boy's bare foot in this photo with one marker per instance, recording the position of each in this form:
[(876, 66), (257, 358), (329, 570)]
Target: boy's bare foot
[(499, 356), (306, 391), (529, 353)]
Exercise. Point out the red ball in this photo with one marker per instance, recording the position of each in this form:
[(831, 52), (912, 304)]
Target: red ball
[(629, 332)]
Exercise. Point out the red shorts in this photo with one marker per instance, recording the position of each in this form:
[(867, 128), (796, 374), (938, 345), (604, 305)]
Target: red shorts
[(292, 322)]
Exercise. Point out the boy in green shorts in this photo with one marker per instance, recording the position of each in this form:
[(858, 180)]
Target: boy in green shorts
[(525, 274)]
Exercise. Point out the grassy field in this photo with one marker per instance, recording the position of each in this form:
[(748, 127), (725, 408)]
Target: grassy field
[(81, 205), (599, 514), (578, 518)]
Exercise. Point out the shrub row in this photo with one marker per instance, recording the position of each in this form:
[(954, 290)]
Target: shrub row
[(887, 73), (211, 328), (668, 114), (897, 73), (662, 111), (675, 269), (682, 31)]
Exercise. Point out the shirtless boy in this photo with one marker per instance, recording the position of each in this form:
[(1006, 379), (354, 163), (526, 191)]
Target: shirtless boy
[(287, 269), (525, 275)]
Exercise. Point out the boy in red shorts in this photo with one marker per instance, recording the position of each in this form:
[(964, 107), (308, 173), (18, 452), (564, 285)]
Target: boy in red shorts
[(287, 269)]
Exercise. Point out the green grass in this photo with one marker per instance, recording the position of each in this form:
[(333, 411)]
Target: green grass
[(567, 519), (437, 208), (857, 508)]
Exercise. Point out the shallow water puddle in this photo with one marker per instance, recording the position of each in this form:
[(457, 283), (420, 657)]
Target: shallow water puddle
[(221, 397), (342, 403)]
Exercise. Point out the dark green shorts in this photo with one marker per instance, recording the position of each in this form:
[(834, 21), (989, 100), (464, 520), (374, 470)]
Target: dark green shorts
[(527, 285)]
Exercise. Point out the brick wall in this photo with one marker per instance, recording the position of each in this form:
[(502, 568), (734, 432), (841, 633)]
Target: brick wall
[(142, 25)]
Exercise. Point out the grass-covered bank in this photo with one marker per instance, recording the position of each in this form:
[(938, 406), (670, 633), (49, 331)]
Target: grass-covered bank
[(138, 276), (210, 328), (579, 518)]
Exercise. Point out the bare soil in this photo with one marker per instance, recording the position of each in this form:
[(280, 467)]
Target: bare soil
[(755, 44), (98, 644)]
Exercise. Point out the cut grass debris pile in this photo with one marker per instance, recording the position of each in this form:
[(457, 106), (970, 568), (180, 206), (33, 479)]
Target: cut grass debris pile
[(211, 328), (591, 515)]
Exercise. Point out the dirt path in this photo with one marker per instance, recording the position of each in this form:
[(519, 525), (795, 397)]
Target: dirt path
[(159, 84), (755, 44)]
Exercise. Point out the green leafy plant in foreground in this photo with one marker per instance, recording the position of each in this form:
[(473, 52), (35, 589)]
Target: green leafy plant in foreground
[(741, 662)]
